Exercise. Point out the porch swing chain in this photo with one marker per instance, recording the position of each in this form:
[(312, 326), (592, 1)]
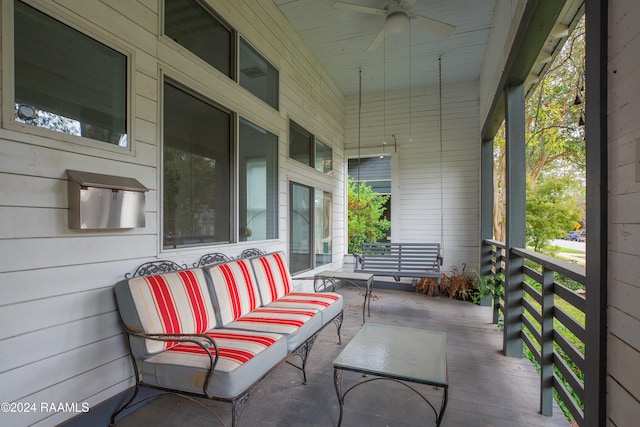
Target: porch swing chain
[(441, 161), (359, 129)]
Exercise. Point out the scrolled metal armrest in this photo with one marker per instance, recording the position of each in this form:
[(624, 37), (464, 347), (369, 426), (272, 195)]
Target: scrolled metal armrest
[(202, 340)]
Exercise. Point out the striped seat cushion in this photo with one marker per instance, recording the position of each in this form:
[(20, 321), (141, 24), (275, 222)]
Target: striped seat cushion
[(275, 285), (244, 358), (329, 304), (238, 296), (297, 325), (235, 288), (169, 303)]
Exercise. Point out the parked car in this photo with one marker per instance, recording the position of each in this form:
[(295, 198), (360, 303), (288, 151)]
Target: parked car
[(583, 236), (573, 236)]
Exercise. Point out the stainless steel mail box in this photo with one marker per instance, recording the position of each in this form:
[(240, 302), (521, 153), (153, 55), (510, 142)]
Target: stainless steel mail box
[(98, 201)]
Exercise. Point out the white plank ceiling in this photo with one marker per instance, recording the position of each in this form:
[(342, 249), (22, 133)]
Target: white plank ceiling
[(339, 39)]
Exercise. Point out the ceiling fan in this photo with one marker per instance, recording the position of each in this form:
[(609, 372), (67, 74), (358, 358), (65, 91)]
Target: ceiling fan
[(397, 19)]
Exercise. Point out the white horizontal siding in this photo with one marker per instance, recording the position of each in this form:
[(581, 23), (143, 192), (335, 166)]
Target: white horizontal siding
[(60, 340), (428, 174), (623, 316)]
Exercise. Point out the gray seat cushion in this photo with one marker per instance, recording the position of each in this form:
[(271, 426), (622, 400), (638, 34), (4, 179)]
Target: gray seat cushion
[(245, 357)]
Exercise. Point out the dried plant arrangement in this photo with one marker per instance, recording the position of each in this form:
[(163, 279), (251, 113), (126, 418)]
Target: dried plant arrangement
[(455, 284)]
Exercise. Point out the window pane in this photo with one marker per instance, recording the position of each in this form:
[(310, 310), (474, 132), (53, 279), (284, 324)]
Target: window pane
[(323, 157), (66, 81), (323, 221), (299, 144), (195, 28), (258, 183), (257, 75), (196, 171), (370, 169), (300, 219)]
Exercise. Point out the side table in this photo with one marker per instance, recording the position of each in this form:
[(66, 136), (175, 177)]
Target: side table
[(330, 277)]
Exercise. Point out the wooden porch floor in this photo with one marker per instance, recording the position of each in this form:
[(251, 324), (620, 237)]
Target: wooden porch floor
[(485, 388)]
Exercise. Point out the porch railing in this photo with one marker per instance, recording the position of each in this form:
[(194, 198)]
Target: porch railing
[(552, 322)]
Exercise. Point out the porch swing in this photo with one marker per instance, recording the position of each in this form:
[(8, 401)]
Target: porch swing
[(397, 260)]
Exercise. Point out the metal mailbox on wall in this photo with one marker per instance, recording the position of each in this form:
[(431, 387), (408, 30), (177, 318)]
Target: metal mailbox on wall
[(99, 201)]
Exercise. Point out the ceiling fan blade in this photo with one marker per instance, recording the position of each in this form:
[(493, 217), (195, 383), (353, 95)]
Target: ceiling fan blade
[(438, 27), (357, 8), (377, 41)]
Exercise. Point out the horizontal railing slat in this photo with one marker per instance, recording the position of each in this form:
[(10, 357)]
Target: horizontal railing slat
[(570, 323), (569, 376), (532, 329), (572, 297), (527, 341), (570, 350), (537, 296), (569, 402), (532, 311), (566, 268), (532, 273)]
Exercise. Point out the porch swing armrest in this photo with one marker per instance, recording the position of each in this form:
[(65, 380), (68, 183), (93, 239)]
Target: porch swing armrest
[(359, 261)]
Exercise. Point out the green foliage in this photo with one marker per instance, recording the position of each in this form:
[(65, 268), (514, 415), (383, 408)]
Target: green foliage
[(554, 127), (488, 285), (551, 210), (366, 221)]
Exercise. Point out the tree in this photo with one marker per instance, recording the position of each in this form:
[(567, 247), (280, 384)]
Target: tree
[(366, 221), (554, 137), (551, 210)]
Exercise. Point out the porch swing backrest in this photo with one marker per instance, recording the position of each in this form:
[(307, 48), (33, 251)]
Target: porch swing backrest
[(400, 260)]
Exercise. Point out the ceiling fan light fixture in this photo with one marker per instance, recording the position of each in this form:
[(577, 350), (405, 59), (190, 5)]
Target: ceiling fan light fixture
[(396, 22)]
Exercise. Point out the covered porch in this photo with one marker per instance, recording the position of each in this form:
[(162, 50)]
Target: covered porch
[(485, 387), (57, 281)]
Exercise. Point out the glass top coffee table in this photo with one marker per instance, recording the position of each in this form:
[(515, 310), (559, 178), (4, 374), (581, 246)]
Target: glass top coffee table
[(404, 355)]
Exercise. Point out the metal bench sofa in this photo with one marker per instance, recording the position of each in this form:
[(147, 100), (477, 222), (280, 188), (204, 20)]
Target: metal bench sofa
[(400, 260), (217, 331)]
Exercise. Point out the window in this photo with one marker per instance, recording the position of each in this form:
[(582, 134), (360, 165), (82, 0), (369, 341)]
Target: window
[(323, 160), (310, 224), (257, 75), (196, 170), (376, 173), (305, 148), (300, 147), (300, 257), (66, 81), (200, 30), (258, 183), (323, 220)]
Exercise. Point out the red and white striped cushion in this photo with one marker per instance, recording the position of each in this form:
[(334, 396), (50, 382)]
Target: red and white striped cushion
[(172, 303), (235, 287), (296, 325), (277, 320), (272, 275), (236, 348), (329, 304), (309, 300)]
